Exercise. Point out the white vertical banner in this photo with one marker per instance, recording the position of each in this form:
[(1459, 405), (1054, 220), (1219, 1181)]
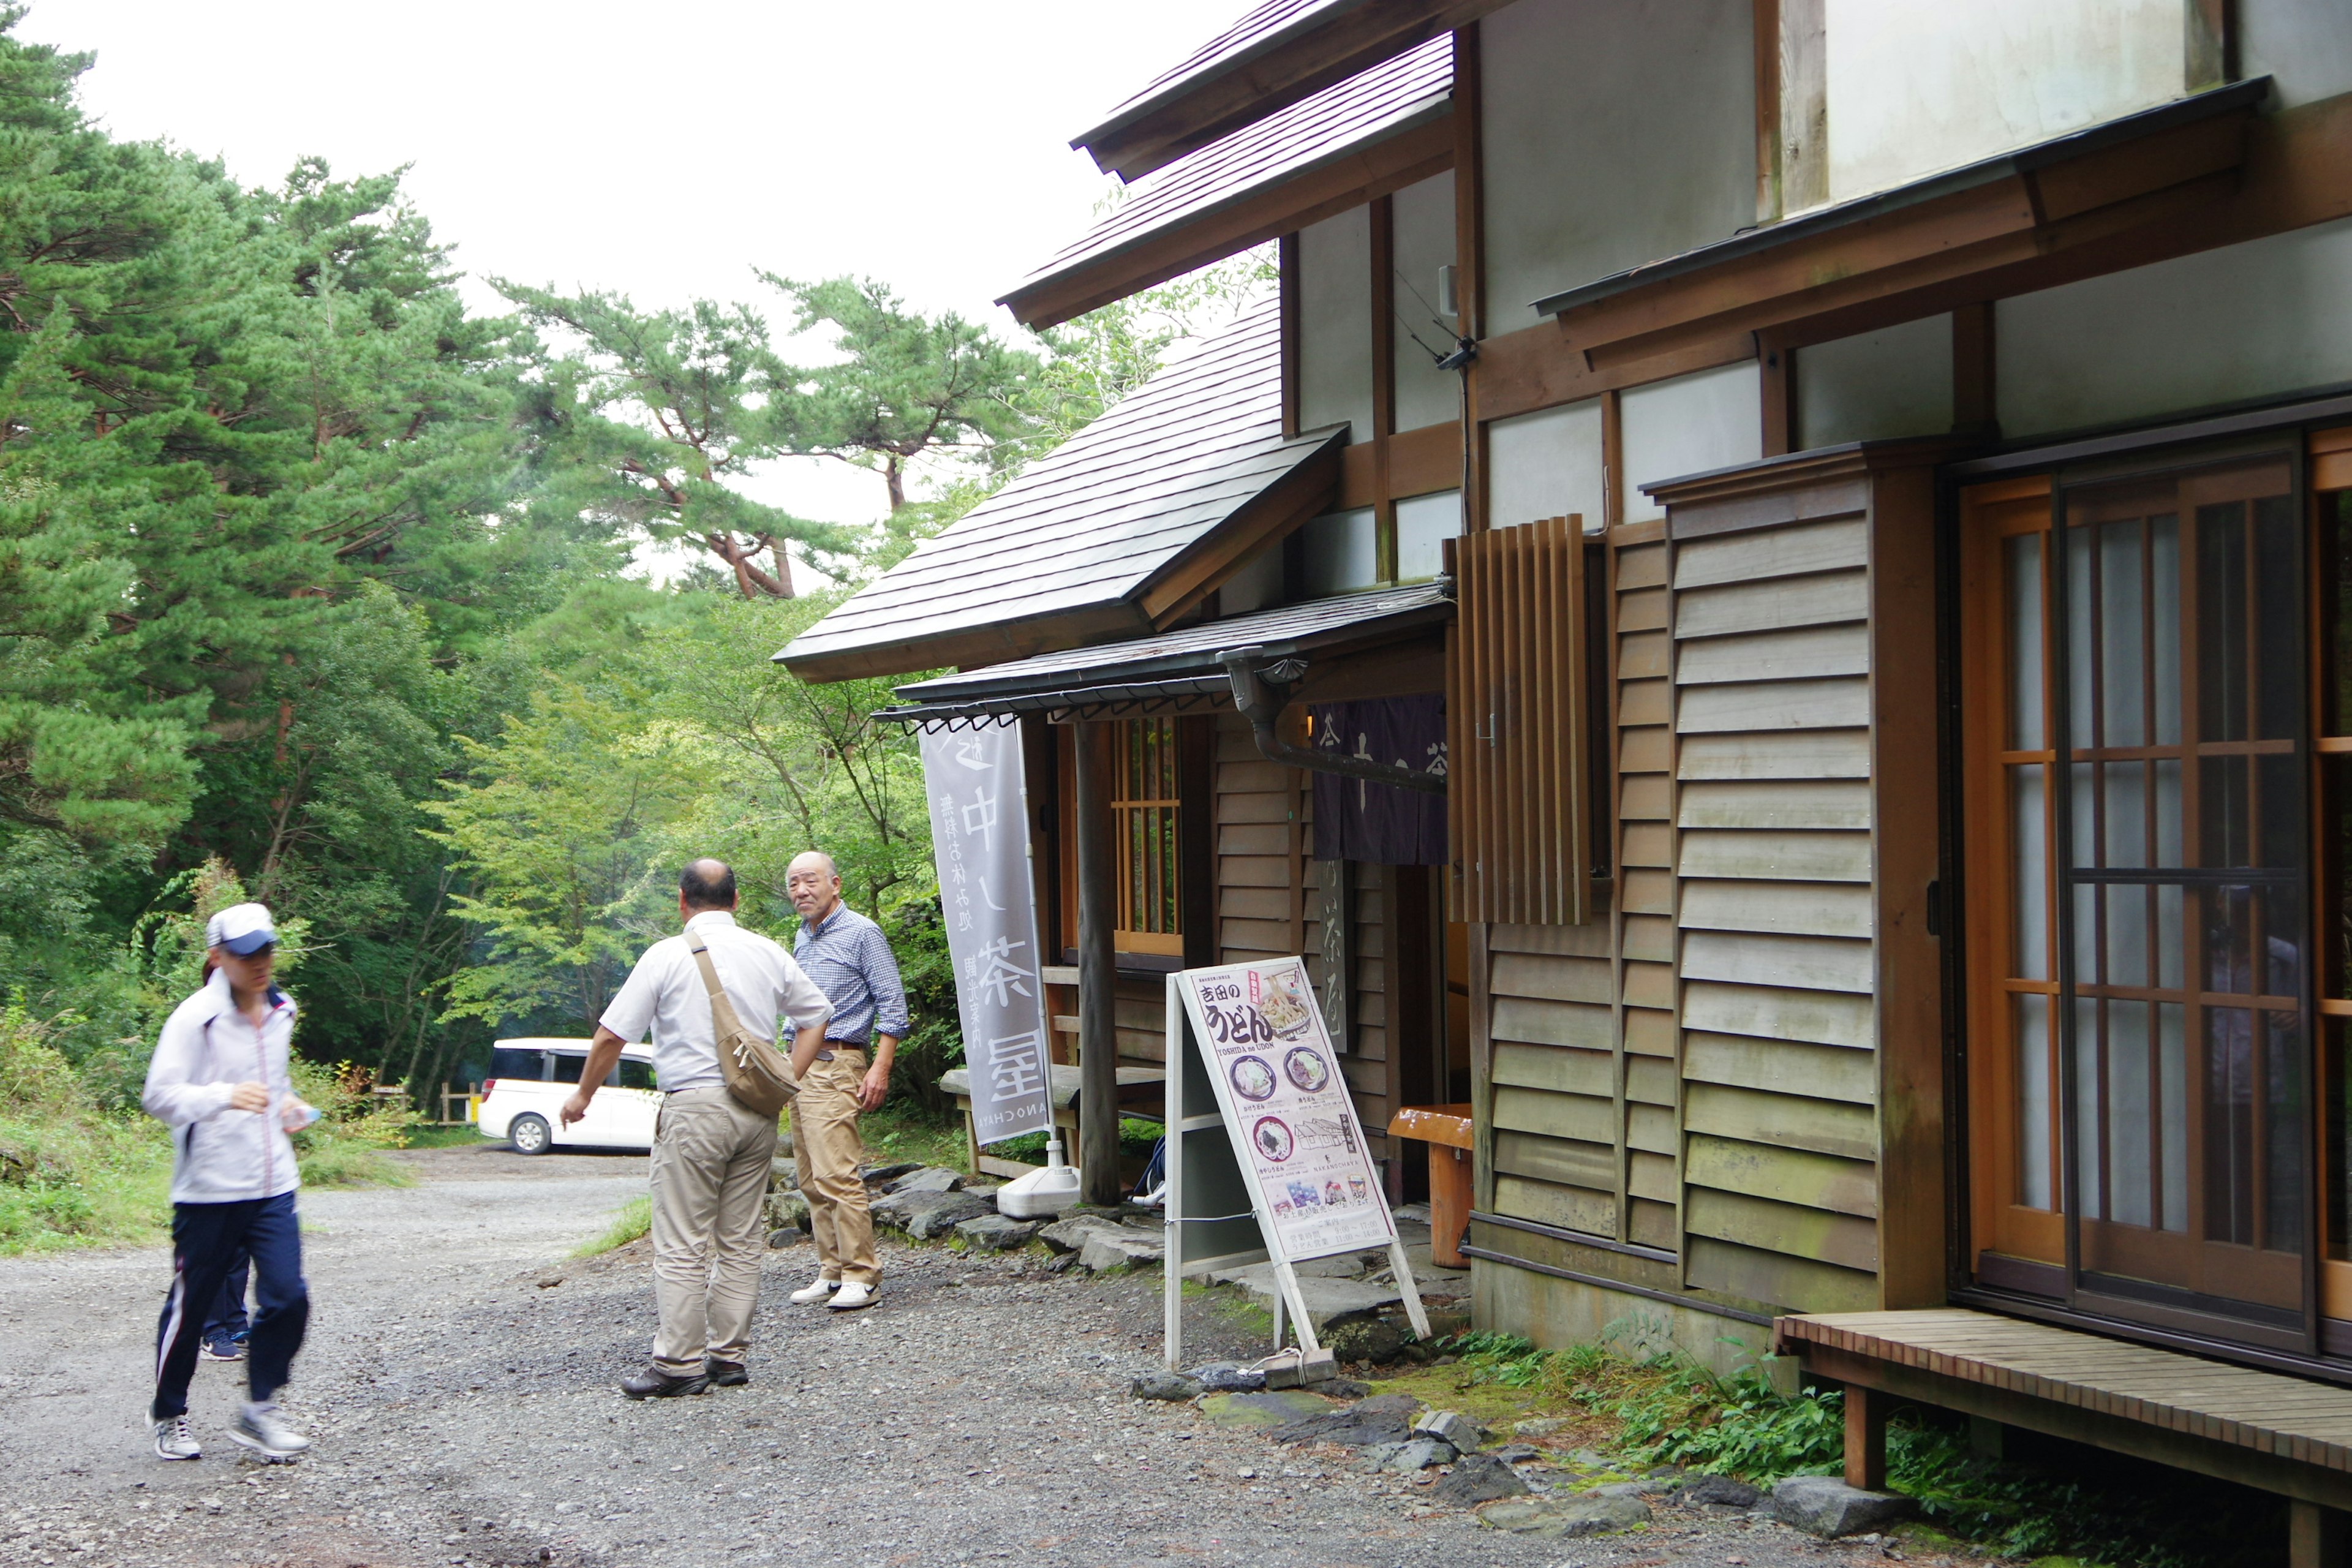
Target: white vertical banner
[(980, 837)]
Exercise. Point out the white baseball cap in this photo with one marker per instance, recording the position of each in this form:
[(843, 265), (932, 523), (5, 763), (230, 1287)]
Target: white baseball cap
[(242, 929)]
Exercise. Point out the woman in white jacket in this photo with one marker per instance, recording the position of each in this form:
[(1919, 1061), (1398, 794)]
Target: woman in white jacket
[(220, 1081)]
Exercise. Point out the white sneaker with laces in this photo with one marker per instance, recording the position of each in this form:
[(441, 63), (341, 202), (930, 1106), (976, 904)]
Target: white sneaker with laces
[(260, 1429), (851, 1297), (815, 1291), (174, 1441)]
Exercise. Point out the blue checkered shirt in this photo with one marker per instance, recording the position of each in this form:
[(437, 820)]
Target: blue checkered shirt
[(850, 960)]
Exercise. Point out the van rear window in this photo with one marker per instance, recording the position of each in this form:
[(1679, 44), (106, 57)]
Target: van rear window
[(521, 1064)]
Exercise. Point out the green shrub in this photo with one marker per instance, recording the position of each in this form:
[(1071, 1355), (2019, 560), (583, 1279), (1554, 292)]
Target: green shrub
[(345, 1147), (72, 1174)]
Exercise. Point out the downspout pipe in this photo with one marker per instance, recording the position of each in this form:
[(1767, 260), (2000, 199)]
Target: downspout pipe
[(1262, 691)]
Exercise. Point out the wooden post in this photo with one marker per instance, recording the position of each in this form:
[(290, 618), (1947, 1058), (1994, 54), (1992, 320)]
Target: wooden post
[(2315, 1536), (1865, 1438), (1097, 972)]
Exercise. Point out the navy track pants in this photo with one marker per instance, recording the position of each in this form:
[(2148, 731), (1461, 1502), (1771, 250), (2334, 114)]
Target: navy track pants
[(205, 1241)]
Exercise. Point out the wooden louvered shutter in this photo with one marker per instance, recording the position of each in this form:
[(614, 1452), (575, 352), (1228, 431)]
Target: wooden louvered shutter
[(1516, 738)]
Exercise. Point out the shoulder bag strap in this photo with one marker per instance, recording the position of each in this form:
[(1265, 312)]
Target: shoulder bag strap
[(709, 971)]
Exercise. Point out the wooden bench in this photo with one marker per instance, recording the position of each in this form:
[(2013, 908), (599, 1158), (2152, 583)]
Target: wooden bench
[(2287, 1436), (1140, 1094)]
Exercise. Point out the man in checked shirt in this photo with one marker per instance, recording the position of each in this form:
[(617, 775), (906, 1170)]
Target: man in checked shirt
[(849, 957)]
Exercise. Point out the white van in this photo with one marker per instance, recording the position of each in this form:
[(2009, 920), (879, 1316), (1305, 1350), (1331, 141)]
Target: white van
[(529, 1081)]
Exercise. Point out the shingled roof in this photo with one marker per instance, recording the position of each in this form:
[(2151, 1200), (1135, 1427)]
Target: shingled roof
[(1371, 134), (1280, 52), (1119, 532)]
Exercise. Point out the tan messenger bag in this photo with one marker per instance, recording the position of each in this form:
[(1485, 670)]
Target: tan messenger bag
[(759, 1076)]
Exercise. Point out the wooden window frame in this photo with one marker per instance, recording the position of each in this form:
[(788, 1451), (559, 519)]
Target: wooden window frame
[(1996, 1226)]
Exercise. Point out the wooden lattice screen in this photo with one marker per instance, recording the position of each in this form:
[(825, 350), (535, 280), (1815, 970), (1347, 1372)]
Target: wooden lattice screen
[(1516, 734)]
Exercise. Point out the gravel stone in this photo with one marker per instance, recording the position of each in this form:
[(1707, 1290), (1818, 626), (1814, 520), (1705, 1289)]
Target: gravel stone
[(956, 1423)]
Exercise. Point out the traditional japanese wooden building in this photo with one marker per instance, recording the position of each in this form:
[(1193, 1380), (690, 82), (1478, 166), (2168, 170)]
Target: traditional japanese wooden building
[(1864, 484)]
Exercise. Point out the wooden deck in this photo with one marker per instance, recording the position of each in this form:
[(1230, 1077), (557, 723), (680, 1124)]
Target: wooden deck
[(2263, 1430)]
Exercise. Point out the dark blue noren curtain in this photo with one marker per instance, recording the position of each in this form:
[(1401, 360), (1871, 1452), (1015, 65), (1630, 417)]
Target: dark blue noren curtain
[(1379, 823)]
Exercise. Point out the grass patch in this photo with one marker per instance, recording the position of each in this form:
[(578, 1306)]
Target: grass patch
[(433, 1137), (902, 1130), (635, 1219), (1136, 1136), (1640, 1408)]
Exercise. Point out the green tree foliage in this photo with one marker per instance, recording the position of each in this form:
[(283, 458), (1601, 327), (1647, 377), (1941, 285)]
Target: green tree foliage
[(559, 836), (316, 587)]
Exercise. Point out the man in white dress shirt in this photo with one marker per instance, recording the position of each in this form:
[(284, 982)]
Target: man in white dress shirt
[(711, 1154)]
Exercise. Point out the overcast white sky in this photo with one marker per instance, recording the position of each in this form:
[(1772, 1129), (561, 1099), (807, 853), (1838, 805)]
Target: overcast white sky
[(666, 150)]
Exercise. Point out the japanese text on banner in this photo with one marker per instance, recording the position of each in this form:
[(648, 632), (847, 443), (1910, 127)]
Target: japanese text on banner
[(980, 837)]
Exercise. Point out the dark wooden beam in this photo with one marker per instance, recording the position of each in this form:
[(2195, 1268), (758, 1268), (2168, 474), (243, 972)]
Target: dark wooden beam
[(1470, 259), (1975, 411), (1780, 399), (1308, 197), (1097, 971), (1287, 280), (1253, 83)]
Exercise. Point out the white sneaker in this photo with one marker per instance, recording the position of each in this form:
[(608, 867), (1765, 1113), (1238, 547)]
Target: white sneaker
[(815, 1291), (174, 1441), (261, 1431), (851, 1297)]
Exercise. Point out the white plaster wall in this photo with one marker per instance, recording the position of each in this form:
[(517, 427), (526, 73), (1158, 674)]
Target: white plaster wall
[(2303, 45), (1423, 525), (1335, 323), (1687, 425), (1616, 133), (1255, 584), (1877, 386), (1342, 552), (1916, 86), (1547, 464), (2246, 320), (1424, 242)]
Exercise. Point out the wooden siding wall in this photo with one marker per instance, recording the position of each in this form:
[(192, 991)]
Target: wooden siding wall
[(1581, 1017), (1265, 906), (1772, 850)]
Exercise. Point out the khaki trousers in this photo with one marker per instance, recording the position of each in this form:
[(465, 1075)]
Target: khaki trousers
[(828, 1152), (712, 1160)]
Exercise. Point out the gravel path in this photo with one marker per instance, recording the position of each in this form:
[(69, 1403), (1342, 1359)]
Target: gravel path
[(459, 1381)]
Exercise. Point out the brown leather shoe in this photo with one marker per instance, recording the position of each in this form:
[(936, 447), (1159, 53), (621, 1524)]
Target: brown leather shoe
[(654, 1384), (725, 1374)]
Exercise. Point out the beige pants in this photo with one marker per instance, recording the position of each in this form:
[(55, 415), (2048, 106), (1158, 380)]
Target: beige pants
[(712, 1160), (828, 1151)]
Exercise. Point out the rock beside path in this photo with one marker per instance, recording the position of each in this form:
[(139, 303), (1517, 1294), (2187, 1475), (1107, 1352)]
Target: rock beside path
[(1229, 1378), (1070, 1235), (1115, 1249), (923, 1216), (1414, 1454), (1258, 1412), (995, 1233), (1171, 1386), (1479, 1478), (1718, 1491), (1827, 1507), (1565, 1517), (1364, 1424), (928, 1179)]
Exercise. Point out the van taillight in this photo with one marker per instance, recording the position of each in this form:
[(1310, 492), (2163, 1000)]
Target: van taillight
[(489, 1084)]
